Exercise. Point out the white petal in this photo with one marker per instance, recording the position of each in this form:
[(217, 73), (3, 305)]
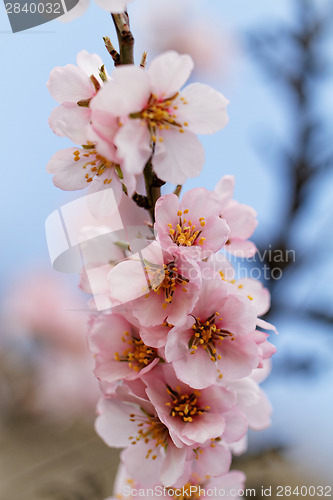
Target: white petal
[(205, 111), (126, 93), (168, 73), (69, 175), (89, 63), (225, 189), (178, 157), (133, 143), (113, 424), (70, 120), (173, 466), (69, 84)]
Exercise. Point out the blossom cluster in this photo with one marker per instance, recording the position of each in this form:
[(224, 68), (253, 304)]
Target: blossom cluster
[(181, 353)]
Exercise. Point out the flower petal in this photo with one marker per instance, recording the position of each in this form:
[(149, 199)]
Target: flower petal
[(89, 63), (168, 72), (113, 424), (205, 111), (70, 120), (70, 84), (180, 156), (133, 143), (68, 174)]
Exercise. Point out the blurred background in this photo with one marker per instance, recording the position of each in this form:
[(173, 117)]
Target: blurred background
[(273, 61)]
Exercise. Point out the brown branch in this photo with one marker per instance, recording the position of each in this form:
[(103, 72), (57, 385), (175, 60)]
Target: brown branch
[(111, 50), (125, 38), (153, 188)]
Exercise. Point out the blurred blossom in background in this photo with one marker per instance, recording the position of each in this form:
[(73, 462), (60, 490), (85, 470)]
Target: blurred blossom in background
[(46, 370), (273, 61)]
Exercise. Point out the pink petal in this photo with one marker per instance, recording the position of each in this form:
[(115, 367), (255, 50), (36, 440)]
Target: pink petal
[(205, 111), (173, 466), (239, 315), (244, 249), (144, 470), (127, 92), (89, 63), (70, 120), (225, 189), (215, 459), (168, 72), (70, 84), (207, 426), (241, 219), (236, 425), (113, 423), (154, 336), (187, 369), (68, 174), (239, 357), (133, 143), (180, 156)]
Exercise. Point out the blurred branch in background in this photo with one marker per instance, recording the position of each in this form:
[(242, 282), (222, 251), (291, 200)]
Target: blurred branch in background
[(293, 56)]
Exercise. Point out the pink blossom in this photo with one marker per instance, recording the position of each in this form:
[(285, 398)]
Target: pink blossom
[(217, 336), (265, 348), (228, 482), (164, 285), (128, 420), (254, 291), (240, 218), (218, 266), (44, 319), (156, 118), (253, 402), (69, 85), (78, 168), (193, 417), (195, 37), (119, 351), (192, 225)]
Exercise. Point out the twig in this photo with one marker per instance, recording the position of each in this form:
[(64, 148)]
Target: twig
[(143, 60), (125, 38), (153, 188), (111, 50)]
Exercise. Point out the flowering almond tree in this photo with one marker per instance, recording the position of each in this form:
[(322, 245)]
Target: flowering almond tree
[(180, 353)]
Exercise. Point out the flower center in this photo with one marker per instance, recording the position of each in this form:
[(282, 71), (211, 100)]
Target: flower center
[(96, 164), (207, 335), (137, 354), (185, 232), (150, 429), (165, 280), (184, 406), (160, 114)]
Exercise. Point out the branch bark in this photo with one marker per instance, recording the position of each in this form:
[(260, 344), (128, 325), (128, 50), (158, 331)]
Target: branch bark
[(125, 38)]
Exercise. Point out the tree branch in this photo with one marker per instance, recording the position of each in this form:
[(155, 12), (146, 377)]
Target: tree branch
[(125, 38), (153, 188)]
